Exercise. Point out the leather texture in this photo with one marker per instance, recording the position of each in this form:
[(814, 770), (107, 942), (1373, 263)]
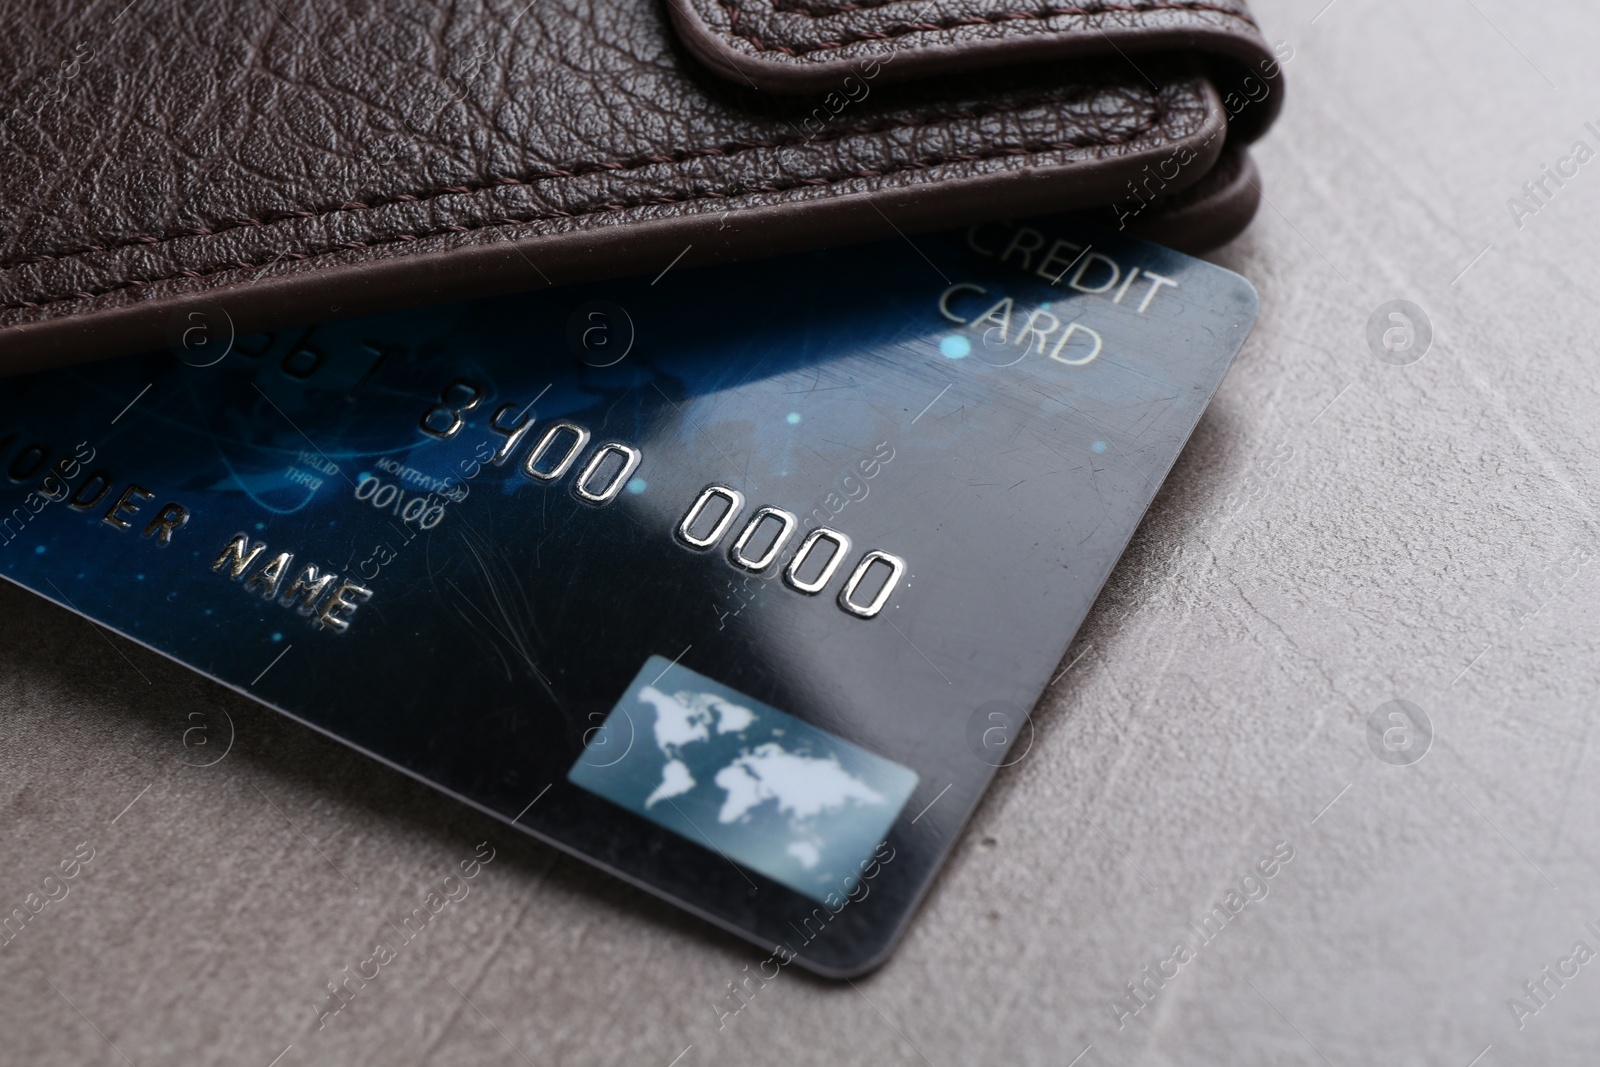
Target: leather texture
[(293, 161)]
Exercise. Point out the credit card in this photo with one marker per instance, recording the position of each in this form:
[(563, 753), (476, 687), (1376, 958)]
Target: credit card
[(738, 582)]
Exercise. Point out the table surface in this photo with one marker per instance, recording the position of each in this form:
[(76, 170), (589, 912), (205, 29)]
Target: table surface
[(1339, 534)]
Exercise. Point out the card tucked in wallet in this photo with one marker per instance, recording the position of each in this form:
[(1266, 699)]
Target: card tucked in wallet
[(294, 161), (738, 582)]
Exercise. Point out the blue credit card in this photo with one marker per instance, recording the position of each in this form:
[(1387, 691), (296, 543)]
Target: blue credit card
[(738, 582)]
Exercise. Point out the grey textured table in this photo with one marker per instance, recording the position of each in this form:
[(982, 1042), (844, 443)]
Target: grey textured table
[(1340, 533)]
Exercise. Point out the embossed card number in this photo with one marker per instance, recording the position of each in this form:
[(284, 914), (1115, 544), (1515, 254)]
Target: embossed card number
[(759, 544), (762, 539), (556, 451)]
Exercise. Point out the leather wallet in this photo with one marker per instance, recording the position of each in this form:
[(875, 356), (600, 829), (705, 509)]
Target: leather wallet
[(290, 161)]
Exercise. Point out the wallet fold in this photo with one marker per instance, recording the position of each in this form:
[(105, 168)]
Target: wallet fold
[(296, 161)]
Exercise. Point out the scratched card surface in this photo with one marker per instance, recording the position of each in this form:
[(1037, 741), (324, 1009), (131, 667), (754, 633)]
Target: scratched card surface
[(737, 582)]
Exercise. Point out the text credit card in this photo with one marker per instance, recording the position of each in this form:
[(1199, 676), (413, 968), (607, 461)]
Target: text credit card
[(737, 582)]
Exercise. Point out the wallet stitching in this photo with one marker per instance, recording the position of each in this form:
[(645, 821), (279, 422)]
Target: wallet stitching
[(799, 7), (575, 170), (1157, 114), (1045, 14)]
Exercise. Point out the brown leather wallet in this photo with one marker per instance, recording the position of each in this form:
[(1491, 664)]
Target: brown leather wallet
[(289, 161)]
